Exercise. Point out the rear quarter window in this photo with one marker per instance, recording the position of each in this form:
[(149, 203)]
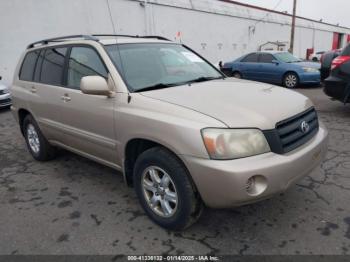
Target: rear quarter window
[(28, 66)]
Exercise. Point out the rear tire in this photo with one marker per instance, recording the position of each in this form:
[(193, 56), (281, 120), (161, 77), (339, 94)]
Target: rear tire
[(237, 75), (291, 80), (165, 190), (37, 144)]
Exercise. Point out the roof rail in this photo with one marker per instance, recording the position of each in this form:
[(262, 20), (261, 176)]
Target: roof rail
[(90, 37), (56, 39), (135, 36)]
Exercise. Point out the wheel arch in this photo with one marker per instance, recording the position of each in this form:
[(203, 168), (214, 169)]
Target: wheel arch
[(237, 71), (288, 72), (22, 113), (135, 147)]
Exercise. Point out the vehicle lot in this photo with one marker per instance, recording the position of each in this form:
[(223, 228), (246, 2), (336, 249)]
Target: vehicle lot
[(74, 206)]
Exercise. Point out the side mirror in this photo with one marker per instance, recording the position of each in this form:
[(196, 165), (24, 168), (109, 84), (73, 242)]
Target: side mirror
[(94, 85), (276, 62)]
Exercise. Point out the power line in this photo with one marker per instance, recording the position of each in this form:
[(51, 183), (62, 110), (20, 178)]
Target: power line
[(267, 14)]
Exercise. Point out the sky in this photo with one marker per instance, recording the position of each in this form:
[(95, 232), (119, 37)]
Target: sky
[(331, 11)]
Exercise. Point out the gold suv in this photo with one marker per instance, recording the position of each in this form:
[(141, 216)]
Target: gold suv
[(182, 133)]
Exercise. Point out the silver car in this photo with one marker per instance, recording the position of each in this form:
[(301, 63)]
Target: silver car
[(5, 96), (182, 134)]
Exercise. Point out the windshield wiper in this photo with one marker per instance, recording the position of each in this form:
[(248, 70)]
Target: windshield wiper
[(203, 79), (163, 85), (155, 87)]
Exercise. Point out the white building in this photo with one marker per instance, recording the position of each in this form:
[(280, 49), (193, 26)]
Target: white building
[(218, 29)]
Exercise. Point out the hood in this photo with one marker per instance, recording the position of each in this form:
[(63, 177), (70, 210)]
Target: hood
[(237, 103), (308, 64)]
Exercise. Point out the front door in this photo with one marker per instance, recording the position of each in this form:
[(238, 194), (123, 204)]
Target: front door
[(87, 120), (269, 71)]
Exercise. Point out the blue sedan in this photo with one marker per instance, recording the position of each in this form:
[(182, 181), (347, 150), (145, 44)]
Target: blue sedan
[(274, 67)]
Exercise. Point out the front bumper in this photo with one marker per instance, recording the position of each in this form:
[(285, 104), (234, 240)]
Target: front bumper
[(310, 78), (223, 184), (5, 100)]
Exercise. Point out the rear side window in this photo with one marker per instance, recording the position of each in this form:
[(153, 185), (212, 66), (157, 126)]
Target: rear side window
[(84, 61), (52, 66), (28, 66), (266, 58), (346, 51), (252, 58)]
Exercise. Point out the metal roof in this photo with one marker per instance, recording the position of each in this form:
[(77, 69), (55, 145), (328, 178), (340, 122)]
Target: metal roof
[(280, 13)]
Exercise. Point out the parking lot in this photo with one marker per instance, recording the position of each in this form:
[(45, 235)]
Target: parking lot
[(72, 205)]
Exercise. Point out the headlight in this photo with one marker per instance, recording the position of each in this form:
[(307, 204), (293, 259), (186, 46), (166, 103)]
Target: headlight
[(310, 70), (6, 91), (234, 143)]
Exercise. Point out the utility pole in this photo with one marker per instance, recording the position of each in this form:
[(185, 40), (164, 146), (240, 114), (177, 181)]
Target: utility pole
[(291, 49)]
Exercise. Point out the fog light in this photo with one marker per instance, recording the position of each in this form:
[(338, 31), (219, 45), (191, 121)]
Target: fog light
[(256, 185)]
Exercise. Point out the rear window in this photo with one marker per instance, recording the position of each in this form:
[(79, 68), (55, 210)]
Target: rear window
[(346, 51), (252, 58), (53, 65), (28, 66)]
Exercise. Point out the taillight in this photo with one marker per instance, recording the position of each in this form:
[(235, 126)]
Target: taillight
[(339, 61)]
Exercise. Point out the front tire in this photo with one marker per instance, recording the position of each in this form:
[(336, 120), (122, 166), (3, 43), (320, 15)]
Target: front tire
[(165, 190), (37, 144), (291, 80)]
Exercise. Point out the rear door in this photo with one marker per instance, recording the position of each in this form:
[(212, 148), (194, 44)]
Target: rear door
[(87, 120), (249, 66), (44, 89)]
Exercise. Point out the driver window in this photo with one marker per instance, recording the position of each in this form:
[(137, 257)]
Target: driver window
[(84, 61)]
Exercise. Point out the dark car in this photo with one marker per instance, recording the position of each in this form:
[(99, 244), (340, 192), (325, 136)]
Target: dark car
[(337, 85), (326, 62), (275, 68)]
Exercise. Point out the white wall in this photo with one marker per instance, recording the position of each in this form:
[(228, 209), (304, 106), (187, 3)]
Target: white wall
[(218, 30)]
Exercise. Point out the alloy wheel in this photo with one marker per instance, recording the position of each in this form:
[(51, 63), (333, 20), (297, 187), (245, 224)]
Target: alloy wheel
[(291, 81), (159, 191), (33, 139)]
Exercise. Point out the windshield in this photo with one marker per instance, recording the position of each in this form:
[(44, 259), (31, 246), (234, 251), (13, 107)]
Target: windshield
[(159, 65), (287, 57)]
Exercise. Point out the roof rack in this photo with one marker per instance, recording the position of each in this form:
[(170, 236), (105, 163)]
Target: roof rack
[(56, 39), (89, 37), (135, 36)]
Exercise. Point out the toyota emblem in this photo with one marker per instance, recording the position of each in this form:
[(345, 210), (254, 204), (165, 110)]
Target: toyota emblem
[(304, 127)]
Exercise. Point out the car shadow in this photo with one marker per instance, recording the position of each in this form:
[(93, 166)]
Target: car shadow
[(5, 110)]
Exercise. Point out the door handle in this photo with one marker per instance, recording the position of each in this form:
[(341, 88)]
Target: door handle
[(66, 98), (33, 89)]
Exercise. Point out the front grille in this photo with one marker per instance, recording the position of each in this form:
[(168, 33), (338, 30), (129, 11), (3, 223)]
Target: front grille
[(2, 92), (288, 134), (5, 101)]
